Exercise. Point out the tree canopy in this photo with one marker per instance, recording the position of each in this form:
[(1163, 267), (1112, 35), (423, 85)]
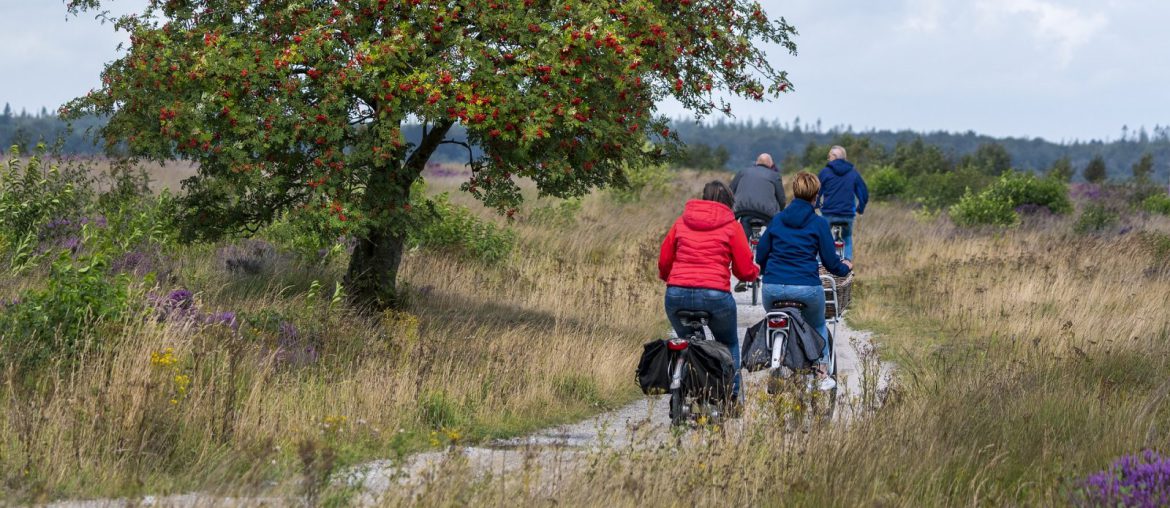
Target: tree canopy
[(298, 106)]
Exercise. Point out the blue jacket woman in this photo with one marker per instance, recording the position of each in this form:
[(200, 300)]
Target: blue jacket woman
[(788, 254)]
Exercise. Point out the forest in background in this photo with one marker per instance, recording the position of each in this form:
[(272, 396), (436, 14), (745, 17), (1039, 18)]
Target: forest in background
[(725, 144)]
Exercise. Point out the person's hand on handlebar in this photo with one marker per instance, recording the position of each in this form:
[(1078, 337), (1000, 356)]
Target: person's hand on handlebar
[(848, 263)]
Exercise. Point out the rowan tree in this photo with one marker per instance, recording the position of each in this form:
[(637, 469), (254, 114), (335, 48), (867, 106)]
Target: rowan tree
[(297, 106)]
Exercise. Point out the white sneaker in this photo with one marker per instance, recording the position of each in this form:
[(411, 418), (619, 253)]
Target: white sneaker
[(827, 384)]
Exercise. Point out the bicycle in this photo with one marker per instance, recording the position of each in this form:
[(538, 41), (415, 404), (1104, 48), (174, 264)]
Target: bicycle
[(685, 405), (779, 329), (838, 230), (757, 227)]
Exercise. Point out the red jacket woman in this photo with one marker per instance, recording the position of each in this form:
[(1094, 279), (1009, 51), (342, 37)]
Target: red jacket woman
[(695, 259)]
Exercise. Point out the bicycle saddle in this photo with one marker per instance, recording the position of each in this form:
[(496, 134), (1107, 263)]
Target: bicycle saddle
[(780, 304), (693, 315), (757, 223), (842, 224)]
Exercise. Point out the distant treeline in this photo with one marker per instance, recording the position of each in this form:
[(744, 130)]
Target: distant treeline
[(733, 145), (790, 142)]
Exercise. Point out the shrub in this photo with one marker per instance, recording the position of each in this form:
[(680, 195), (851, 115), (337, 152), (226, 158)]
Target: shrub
[(1095, 217), (1158, 203), (886, 182), (997, 204), (562, 214), (1133, 480), (450, 226), (58, 323), (983, 210), (938, 191), (35, 191), (1026, 189)]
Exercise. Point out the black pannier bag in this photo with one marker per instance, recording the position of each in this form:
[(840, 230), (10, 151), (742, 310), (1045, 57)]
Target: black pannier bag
[(653, 368), (757, 355), (710, 373)]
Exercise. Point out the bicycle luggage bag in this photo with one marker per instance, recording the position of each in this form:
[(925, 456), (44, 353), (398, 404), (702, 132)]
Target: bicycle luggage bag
[(756, 352), (710, 372), (653, 372)]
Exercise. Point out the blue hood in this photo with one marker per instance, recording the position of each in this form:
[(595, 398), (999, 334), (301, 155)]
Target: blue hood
[(797, 214), (840, 166)]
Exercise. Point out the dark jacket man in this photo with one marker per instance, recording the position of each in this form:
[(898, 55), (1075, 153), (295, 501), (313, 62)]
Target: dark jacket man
[(843, 192), (758, 190)]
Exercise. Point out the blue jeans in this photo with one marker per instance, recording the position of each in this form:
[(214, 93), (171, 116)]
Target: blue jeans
[(721, 306), (846, 232), (813, 298)]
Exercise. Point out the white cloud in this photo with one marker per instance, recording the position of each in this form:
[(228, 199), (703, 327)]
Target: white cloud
[(1065, 28), (924, 15)]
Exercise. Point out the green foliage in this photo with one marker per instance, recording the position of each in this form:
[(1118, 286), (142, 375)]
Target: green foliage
[(35, 191), (862, 151), (996, 205), (1095, 217), (1158, 203), (1143, 168), (1061, 169), (1026, 189), (1095, 171), (703, 157), (983, 210), (886, 182), (990, 159), (58, 323), (450, 227), (641, 181), (917, 158), (937, 191)]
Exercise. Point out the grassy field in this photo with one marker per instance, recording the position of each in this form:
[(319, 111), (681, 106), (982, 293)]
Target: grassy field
[(483, 350), (1026, 359)]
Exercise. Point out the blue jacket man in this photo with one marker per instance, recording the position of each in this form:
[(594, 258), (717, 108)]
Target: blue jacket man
[(843, 195)]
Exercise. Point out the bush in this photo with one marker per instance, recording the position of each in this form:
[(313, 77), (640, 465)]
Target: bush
[(1158, 203), (58, 323), (1095, 217), (562, 214), (996, 205), (937, 191), (886, 182), (454, 227), (983, 210), (1026, 189), (36, 191)]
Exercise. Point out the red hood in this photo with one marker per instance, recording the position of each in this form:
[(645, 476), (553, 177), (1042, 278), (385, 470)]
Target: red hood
[(703, 215)]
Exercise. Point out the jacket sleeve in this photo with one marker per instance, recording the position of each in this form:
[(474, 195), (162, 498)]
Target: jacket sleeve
[(666, 253), (780, 190), (735, 181), (741, 255), (862, 192), (828, 251)]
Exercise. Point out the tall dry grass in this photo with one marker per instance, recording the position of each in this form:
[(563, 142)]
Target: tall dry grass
[(1027, 359), (548, 336)]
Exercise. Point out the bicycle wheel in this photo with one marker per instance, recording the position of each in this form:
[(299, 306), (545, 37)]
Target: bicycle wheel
[(756, 293), (676, 407)]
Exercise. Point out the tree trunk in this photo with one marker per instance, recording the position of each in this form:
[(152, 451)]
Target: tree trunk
[(371, 280)]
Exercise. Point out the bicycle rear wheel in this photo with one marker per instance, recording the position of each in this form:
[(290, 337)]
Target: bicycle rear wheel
[(677, 416), (756, 293)]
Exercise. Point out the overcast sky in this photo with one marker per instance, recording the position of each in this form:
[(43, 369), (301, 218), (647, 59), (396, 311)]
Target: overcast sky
[(1058, 69)]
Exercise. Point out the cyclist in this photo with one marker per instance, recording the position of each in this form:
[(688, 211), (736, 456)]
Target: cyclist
[(759, 194), (788, 253), (694, 262), (843, 195)]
